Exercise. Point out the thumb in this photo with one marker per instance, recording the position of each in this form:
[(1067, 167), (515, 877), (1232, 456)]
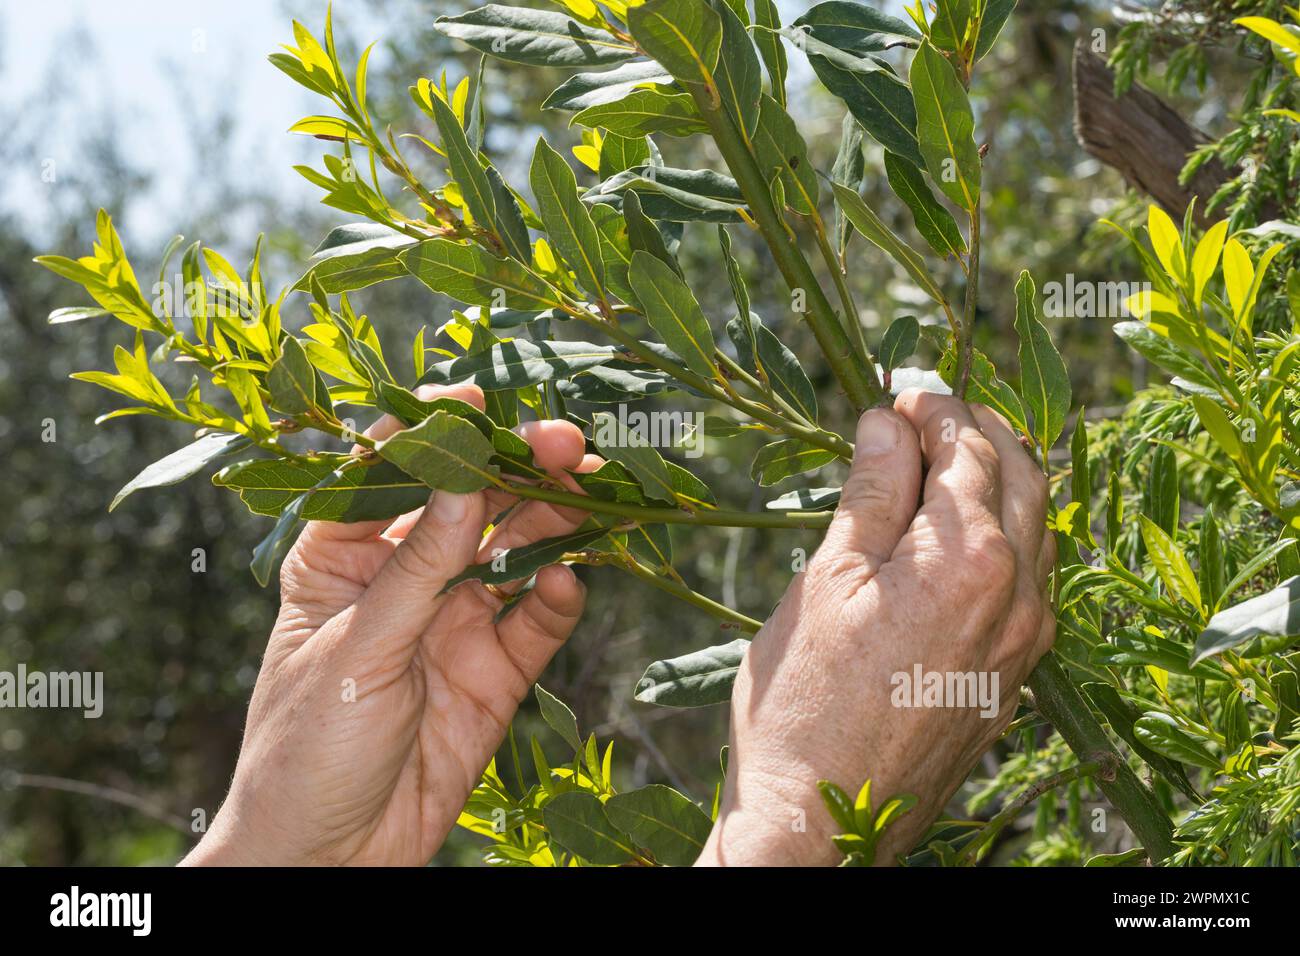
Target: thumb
[(401, 600), (879, 498)]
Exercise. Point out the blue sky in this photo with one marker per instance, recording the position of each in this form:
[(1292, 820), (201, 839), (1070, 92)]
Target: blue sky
[(147, 63)]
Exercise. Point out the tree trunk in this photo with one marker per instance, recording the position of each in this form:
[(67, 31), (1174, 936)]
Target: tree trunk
[(1141, 137)]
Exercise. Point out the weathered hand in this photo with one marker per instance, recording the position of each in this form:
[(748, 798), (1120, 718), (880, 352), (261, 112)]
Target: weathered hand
[(952, 587), (381, 700)]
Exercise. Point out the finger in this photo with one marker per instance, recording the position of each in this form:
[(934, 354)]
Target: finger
[(962, 486), (399, 604), (879, 497), (536, 521), (559, 447), (1024, 490), (1046, 636), (542, 621), (1047, 557)]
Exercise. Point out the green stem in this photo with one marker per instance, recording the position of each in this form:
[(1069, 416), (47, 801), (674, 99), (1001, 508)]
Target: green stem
[(850, 307), (860, 383), (1059, 701), (967, 343), (1003, 818), (713, 518), (767, 393), (682, 592), (812, 435)]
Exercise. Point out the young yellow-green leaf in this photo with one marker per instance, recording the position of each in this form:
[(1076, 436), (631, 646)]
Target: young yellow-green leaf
[(568, 223), (1272, 31), (534, 37), (873, 229), (444, 452), (672, 311), (785, 459), (935, 223), (1170, 562), (1205, 260), (663, 821), (683, 36), (1167, 243), (1244, 308), (1215, 421), (945, 127), (1044, 382), (470, 275)]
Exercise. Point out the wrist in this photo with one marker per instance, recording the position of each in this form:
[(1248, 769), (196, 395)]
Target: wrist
[(232, 840), (765, 822)]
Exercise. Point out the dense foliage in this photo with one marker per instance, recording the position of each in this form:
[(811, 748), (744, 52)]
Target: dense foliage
[(1176, 587)]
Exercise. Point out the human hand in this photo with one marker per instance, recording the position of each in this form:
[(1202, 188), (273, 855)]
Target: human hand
[(955, 586), (381, 700)]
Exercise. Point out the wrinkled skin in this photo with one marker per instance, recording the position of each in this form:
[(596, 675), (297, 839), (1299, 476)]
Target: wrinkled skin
[(381, 778), (955, 584)]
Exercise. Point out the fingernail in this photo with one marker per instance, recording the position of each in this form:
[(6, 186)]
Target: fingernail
[(877, 433), (450, 508)]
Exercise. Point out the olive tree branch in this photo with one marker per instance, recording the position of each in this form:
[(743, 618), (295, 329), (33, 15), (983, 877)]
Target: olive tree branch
[(680, 591), (1059, 701), (817, 437), (966, 341), (1004, 817), (855, 373)]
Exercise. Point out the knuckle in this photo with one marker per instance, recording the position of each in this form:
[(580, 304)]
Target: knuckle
[(836, 569), (990, 560), (419, 556), (870, 491)]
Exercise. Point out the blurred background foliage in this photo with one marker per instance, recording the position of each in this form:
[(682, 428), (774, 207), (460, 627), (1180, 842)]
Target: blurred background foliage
[(81, 589)]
